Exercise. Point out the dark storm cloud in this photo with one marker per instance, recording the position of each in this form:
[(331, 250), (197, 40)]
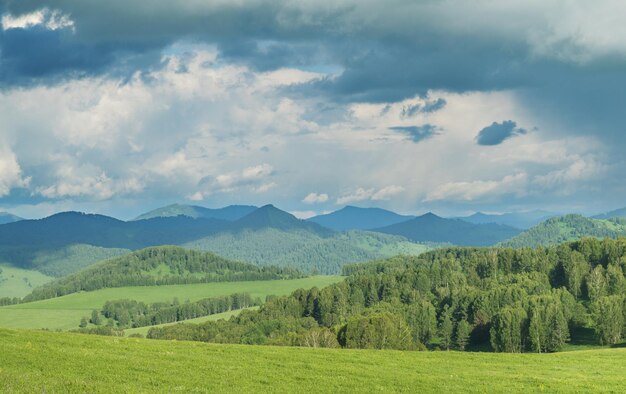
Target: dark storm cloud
[(417, 133), (386, 51), (496, 133)]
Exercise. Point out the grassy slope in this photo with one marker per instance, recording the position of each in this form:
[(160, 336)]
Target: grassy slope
[(12, 283), (62, 362), (65, 312)]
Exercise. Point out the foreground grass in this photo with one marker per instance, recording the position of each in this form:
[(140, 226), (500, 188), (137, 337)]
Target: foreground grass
[(65, 312), (34, 361)]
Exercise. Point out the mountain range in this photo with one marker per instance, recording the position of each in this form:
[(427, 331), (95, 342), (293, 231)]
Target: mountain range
[(69, 241)]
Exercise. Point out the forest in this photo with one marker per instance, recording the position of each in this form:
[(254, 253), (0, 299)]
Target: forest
[(499, 299)]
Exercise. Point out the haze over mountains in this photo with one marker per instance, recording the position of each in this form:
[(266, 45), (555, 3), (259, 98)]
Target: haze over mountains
[(355, 218), (432, 228), (521, 220), (6, 217), (231, 212)]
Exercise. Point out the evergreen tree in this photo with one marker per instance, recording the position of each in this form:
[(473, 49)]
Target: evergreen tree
[(463, 331)]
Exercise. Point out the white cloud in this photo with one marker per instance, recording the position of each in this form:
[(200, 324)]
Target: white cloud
[(52, 20), (257, 172), (387, 192), (10, 173), (315, 198), (197, 196), (472, 190), (303, 214), (372, 194)]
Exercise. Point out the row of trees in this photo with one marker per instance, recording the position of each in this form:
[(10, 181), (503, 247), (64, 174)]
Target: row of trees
[(509, 300), (131, 313)]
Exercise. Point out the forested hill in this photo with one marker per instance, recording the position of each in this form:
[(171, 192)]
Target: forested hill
[(432, 228), (307, 250), (507, 300), (355, 218), (567, 228), (159, 266), (230, 213)]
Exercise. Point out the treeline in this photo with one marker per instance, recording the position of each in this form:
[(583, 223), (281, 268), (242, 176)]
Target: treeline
[(4, 301), (165, 265), (508, 300), (132, 314)]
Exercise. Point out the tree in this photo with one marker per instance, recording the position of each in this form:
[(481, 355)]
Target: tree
[(608, 316), (422, 318), (83, 322), (507, 331), (463, 331), (378, 331), (596, 283), (575, 268), (446, 328), (95, 317)]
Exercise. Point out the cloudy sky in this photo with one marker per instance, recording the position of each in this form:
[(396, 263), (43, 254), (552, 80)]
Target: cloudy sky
[(454, 106)]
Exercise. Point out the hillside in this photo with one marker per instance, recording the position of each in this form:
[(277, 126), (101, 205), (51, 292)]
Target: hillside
[(164, 265), (230, 213), (521, 220), (306, 250), (6, 217), (355, 218), (104, 365), (567, 228), (432, 228), (67, 242)]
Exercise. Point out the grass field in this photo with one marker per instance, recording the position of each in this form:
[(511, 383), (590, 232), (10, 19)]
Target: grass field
[(65, 312), (61, 362), (18, 282)]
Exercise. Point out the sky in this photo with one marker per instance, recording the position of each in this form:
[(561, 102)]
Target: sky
[(119, 107)]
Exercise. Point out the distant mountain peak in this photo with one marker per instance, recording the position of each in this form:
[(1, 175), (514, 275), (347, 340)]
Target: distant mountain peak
[(268, 216), (230, 213), (356, 218), (6, 217)]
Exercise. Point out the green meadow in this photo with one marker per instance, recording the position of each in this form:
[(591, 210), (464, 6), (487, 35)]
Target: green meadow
[(18, 282), (65, 312), (37, 361)]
